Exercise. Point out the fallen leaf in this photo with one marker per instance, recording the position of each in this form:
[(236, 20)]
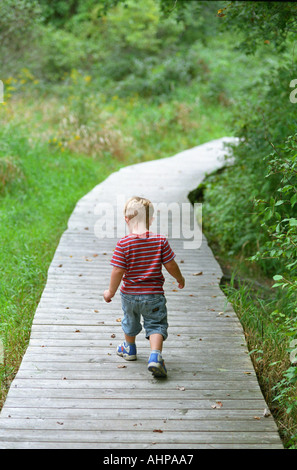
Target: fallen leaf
[(121, 366), (113, 335), (266, 413), (59, 422), (198, 274), (96, 311), (181, 388), (77, 331), (257, 417), (119, 320), (157, 430), (218, 404)]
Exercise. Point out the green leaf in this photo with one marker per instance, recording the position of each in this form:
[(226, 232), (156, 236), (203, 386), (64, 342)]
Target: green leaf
[(293, 200), (277, 284)]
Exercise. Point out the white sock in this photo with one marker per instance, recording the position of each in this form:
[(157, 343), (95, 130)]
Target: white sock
[(156, 351)]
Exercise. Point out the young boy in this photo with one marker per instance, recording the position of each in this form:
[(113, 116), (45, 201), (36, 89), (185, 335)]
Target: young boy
[(138, 259)]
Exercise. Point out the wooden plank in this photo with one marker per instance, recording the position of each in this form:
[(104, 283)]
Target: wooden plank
[(72, 390), (143, 437), (206, 386), (152, 393), (238, 425), (110, 446)]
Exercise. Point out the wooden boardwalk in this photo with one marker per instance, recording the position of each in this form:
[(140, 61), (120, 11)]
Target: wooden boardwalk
[(73, 391)]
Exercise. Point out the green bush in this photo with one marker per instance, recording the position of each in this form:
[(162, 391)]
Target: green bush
[(278, 217), (60, 53)]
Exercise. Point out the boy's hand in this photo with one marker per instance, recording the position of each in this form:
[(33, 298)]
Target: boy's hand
[(107, 295), (181, 284)]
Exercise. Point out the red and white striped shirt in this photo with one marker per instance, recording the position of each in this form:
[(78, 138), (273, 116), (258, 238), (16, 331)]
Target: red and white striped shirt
[(142, 257)]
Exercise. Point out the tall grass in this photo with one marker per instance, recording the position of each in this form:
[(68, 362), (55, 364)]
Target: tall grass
[(34, 209), (268, 342)]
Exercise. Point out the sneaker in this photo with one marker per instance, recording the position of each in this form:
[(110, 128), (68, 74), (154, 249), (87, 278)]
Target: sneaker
[(127, 351), (156, 365)]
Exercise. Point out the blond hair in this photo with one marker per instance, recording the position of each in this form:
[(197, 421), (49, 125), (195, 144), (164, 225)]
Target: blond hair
[(140, 209)]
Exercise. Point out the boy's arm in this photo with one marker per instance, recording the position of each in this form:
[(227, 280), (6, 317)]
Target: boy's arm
[(174, 271), (115, 280)]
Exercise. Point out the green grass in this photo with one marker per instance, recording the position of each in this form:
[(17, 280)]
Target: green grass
[(268, 341), (34, 210)]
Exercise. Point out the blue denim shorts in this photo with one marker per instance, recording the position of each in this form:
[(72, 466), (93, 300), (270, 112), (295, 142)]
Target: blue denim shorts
[(152, 308)]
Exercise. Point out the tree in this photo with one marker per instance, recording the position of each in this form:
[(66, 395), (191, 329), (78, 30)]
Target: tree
[(260, 22)]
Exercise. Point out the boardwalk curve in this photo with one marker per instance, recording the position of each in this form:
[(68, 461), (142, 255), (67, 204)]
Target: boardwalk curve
[(70, 391)]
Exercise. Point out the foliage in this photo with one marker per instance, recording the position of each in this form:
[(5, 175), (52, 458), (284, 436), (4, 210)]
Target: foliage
[(279, 218), (18, 28), (269, 341), (127, 42), (260, 22)]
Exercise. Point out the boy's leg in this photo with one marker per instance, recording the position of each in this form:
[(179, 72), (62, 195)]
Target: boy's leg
[(156, 342), (130, 324), (156, 363), (155, 323), (129, 339)]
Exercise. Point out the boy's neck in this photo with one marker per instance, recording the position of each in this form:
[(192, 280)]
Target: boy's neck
[(138, 230)]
